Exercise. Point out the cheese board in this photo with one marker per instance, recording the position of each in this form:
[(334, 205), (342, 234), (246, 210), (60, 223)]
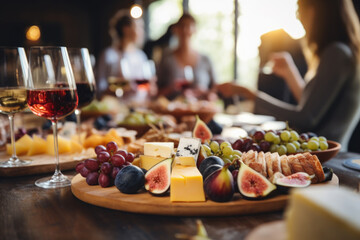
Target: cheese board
[(146, 203), (43, 163)]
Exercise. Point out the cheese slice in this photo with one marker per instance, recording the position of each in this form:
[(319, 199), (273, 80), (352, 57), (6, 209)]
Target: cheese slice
[(186, 184), (186, 161), (148, 162), (159, 149), (323, 212), (188, 147)]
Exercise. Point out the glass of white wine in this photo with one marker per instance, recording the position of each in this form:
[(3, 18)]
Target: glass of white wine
[(13, 96)]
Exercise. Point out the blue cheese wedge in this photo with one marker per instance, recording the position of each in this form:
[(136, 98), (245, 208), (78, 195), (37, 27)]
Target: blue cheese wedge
[(159, 149), (188, 147)]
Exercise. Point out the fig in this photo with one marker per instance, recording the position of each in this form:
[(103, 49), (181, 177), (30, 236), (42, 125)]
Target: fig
[(157, 178), (210, 161), (210, 169), (219, 186), (202, 156), (252, 184), (201, 130), (130, 179), (296, 180)]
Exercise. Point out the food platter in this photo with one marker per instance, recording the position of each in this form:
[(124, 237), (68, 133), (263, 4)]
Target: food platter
[(43, 163), (146, 203)]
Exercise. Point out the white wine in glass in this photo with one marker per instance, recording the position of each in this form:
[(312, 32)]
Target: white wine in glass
[(52, 94), (13, 96)]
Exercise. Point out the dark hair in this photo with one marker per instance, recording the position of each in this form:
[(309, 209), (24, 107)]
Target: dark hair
[(124, 21), (335, 21), (186, 16)]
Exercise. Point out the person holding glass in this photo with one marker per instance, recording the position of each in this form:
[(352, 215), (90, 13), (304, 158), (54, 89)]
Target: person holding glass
[(328, 101), (120, 65), (185, 70)]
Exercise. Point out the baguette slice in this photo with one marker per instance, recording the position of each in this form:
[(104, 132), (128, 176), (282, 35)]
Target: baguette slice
[(285, 167), (307, 166), (269, 167), (295, 164), (276, 163)]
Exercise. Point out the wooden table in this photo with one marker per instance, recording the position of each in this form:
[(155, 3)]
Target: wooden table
[(29, 212)]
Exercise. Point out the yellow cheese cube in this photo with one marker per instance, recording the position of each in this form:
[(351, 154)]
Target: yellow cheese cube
[(38, 146), (64, 145), (186, 161), (75, 146), (159, 149), (186, 185), (76, 137), (93, 141), (147, 162), (22, 145), (112, 135)]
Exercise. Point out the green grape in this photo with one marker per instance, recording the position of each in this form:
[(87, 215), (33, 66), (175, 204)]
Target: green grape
[(277, 139), (285, 135), (315, 139), (300, 150), (214, 146), (226, 160), (294, 135), (323, 145), (207, 149), (322, 139), (281, 150), (224, 144), (273, 147), (290, 148), (227, 151), (237, 153), (270, 136), (313, 145), (297, 144), (304, 145)]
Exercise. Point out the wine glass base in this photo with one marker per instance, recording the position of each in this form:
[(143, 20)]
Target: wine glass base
[(14, 163), (56, 181)]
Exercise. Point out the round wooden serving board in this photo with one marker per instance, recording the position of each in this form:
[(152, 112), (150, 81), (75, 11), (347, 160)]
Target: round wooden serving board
[(146, 203)]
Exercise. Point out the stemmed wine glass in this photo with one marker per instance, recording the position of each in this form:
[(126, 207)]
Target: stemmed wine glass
[(84, 79), (185, 79), (52, 94), (13, 98)]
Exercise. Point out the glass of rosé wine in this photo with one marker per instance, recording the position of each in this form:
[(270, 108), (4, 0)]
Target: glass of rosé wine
[(13, 97), (51, 92), (84, 79)]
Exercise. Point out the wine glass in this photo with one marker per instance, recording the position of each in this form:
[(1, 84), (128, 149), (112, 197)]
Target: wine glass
[(117, 81), (84, 79), (13, 98), (52, 94), (185, 79)]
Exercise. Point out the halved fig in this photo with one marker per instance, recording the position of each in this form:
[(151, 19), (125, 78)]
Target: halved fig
[(252, 184), (157, 178), (296, 180), (202, 131)]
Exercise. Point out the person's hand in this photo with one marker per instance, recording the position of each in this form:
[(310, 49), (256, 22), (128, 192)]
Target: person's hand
[(283, 64), (226, 89)]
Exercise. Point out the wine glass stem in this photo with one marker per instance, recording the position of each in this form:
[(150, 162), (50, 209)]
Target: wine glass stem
[(12, 136), (56, 149), (78, 123)]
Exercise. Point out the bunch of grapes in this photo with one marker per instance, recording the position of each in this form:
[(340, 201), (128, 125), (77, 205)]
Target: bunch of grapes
[(105, 167), (284, 142), (223, 150)]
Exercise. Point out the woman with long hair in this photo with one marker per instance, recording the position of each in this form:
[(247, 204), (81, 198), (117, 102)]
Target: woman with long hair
[(329, 98)]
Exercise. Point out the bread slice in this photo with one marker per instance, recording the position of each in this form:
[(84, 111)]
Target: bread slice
[(316, 165), (295, 164), (269, 167), (276, 164), (285, 167), (262, 163), (307, 166)]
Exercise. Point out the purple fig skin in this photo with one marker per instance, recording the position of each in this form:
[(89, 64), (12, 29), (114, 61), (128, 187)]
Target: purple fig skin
[(219, 186)]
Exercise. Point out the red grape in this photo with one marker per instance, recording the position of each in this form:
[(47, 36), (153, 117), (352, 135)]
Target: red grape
[(103, 157), (247, 144), (115, 172), (259, 135), (127, 164), (117, 160), (92, 178), (91, 164), (79, 166), (264, 146), (130, 157), (104, 180), (106, 168), (304, 137), (238, 145), (122, 153), (255, 147), (111, 147), (99, 149), (84, 172)]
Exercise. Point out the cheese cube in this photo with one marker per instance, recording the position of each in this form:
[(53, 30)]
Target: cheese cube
[(159, 149), (148, 162), (186, 161), (186, 184), (188, 147), (323, 212)]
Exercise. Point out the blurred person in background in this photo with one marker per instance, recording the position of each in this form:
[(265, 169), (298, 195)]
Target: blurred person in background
[(127, 36), (328, 101), (185, 70)]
